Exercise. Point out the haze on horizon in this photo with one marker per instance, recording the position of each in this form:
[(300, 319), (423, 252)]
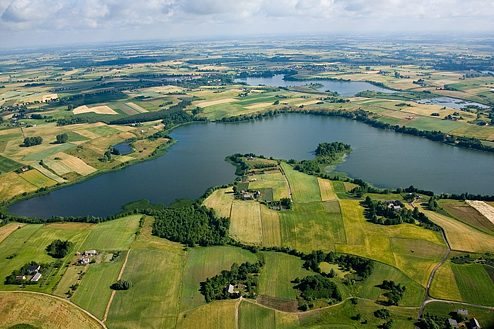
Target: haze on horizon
[(35, 23)]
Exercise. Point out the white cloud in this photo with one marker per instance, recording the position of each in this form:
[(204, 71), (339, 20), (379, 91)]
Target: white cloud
[(210, 17)]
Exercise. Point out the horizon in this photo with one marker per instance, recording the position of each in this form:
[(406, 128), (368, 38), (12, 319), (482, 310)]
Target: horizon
[(47, 23)]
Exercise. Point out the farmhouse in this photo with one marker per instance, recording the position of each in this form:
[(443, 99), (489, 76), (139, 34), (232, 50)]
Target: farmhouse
[(90, 253), (20, 278), (463, 313), (395, 205), (36, 277), (83, 261)]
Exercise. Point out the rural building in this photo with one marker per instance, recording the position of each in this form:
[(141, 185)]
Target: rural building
[(83, 261), (395, 205), (20, 278), (474, 324), (453, 324), (90, 253), (231, 289), (36, 277), (32, 269)]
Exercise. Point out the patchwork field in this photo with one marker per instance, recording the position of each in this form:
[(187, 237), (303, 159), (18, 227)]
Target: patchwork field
[(103, 109), (467, 214), (304, 188), (245, 222), (42, 311)]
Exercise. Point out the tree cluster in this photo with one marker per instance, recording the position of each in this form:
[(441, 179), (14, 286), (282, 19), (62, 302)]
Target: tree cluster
[(385, 213), (31, 141), (361, 266), (62, 138), (394, 292), (120, 285), (191, 225), (326, 154), (59, 248), (317, 287), (244, 277)]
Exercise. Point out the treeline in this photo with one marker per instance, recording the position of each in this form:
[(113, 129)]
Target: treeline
[(394, 213), (191, 225), (170, 117), (266, 73), (361, 266), (239, 281)]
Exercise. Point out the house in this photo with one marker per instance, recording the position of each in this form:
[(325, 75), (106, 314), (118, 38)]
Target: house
[(20, 278), (474, 324), (36, 277), (231, 289), (90, 253), (32, 269), (453, 324), (244, 195)]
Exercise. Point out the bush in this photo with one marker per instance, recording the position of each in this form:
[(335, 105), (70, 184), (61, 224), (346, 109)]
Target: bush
[(120, 285)]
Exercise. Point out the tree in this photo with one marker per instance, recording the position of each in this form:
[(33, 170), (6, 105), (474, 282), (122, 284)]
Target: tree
[(31, 141), (120, 285), (59, 248), (62, 138)]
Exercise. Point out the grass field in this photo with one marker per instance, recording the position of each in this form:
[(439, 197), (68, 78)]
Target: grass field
[(7, 165), (221, 201), (462, 237), (304, 188), (326, 189), (278, 272), (253, 316), (444, 284), (312, 226), (37, 179), (8, 229), (42, 311), (274, 180), (474, 283), (113, 235), (414, 293), (28, 244), (245, 222), (467, 214), (271, 227), (94, 291), (203, 263), (412, 249), (485, 317), (217, 315)]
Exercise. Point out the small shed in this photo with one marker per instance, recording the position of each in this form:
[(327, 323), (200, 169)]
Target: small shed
[(36, 277)]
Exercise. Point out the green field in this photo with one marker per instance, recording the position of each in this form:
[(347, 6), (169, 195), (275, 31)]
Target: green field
[(278, 273), (153, 300), (474, 283), (113, 235), (216, 315), (94, 291), (28, 244), (203, 263), (304, 188), (414, 293), (312, 226), (253, 316), (485, 317), (7, 165)]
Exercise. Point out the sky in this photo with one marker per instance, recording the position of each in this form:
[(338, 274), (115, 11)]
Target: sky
[(34, 23)]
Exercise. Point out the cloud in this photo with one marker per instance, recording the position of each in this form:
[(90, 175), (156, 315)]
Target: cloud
[(157, 18)]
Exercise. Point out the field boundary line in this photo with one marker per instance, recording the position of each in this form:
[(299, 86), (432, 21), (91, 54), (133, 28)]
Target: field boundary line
[(107, 310), (60, 299)]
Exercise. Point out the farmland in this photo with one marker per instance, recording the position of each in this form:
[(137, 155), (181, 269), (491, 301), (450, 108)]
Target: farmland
[(78, 105)]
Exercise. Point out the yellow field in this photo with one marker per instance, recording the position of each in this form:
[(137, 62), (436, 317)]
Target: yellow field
[(42, 311), (216, 315), (37, 179), (216, 102), (62, 163), (444, 284), (221, 201), (259, 106), (136, 107), (326, 188), (103, 109), (7, 229), (271, 229), (245, 222), (274, 180), (462, 237), (11, 185), (416, 253)]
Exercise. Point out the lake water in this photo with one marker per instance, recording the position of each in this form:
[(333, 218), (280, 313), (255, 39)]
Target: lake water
[(123, 148), (453, 103), (344, 88), (197, 162)]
